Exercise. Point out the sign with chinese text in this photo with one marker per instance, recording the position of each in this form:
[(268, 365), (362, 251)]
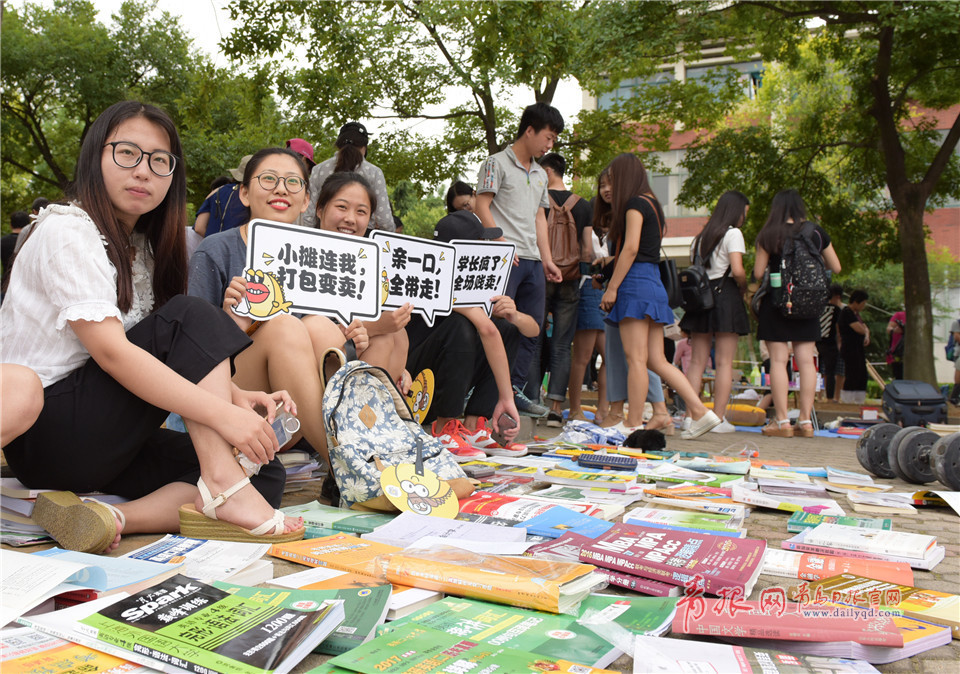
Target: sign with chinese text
[(418, 271), (481, 272)]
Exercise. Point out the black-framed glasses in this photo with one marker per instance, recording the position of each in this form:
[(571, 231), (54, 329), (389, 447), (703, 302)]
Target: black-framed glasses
[(128, 155), (269, 182)]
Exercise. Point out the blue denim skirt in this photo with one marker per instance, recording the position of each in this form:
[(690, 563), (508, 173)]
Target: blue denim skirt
[(641, 295)]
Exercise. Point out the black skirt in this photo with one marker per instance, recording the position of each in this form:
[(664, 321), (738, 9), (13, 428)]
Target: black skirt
[(772, 326), (729, 313)]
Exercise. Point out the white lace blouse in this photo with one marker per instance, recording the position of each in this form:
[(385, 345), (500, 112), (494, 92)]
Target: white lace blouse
[(62, 274)]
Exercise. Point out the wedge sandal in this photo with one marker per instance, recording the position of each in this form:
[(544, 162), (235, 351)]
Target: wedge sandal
[(81, 525), (779, 428), (205, 524)]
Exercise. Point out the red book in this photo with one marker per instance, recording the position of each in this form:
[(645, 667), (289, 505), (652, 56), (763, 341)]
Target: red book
[(794, 622), (639, 584), (678, 558)]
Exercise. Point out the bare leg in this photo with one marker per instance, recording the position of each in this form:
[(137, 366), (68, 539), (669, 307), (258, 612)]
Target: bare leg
[(675, 379), (840, 379), (583, 342), (22, 395), (381, 353), (282, 357), (634, 334), (779, 355), (220, 470), (398, 356), (700, 353), (803, 354), (726, 351), (601, 347)]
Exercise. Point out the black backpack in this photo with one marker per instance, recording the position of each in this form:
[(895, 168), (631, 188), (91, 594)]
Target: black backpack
[(804, 287), (695, 287)]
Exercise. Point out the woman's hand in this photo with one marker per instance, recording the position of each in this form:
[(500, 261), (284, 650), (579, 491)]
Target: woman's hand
[(609, 299), (405, 382), (508, 407), (267, 401), (358, 333), (232, 298), (597, 281), (249, 432), (504, 307), (396, 320)]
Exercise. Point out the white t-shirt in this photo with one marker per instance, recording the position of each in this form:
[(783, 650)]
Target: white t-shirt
[(63, 274), (732, 242)]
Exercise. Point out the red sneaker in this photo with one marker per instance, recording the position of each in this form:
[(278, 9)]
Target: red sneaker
[(452, 439), (483, 439)]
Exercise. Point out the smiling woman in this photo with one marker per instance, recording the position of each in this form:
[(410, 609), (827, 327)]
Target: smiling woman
[(95, 308), (287, 350)]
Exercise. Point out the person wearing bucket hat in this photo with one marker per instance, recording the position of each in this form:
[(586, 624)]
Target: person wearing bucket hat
[(470, 351), (351, 156), (222, 209)]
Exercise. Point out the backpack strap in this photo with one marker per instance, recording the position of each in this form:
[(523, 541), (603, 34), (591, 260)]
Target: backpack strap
[(571, 201)]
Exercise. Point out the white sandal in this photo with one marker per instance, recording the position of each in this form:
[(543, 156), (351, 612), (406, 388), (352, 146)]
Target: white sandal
[(195, 524)]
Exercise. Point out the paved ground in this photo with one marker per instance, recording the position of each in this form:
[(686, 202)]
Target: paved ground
[(771, 526)]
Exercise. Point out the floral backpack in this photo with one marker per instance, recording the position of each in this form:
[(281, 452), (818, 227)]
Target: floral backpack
[(369, 426)]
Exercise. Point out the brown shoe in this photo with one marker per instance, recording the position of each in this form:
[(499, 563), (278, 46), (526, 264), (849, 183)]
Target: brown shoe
[(804, 429), (778, 429)]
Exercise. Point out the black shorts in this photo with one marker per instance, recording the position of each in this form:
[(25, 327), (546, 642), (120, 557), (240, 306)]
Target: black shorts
[(95, 435)]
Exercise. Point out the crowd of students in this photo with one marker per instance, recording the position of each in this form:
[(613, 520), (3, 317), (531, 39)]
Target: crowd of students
[(107, 327)]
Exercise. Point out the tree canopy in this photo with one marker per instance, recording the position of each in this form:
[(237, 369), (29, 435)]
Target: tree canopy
[(53, 90)]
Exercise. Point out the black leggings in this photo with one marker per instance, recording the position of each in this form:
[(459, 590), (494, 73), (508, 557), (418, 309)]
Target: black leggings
[(95, 435)]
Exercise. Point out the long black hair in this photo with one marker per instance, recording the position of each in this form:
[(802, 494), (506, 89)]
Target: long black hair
[(629, 179), (458, 189), (726, 214), (787, 215), (164, 226)]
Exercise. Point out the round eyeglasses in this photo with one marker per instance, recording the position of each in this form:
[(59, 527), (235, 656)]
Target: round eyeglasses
[(128, 155), (269, 182)]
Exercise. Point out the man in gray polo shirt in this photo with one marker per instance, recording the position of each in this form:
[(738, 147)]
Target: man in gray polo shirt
[(512, 195)]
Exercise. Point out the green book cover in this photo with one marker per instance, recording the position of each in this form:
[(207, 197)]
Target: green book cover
[(415, 648), (365, 608), (553, 635), (337, 520), (692, 519), (203, 629), (800, 520)]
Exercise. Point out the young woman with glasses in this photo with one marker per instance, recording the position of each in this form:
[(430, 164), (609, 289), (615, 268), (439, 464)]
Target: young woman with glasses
[(287, 350), (95, 308)]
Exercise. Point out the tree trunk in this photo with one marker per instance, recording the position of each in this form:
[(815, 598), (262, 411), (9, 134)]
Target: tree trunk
[(918, 347)]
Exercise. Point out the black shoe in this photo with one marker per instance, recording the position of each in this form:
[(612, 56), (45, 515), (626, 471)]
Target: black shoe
[(554, 419)]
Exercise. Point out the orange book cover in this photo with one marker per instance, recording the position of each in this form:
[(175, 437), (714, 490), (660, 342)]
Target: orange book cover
[(340, 551), (518, 581), (817, 567)]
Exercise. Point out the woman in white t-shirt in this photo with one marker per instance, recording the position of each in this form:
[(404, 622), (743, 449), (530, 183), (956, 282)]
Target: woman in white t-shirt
[(95, 308), (721, 248)]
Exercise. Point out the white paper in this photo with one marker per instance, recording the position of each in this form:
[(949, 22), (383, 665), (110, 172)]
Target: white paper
[(481, 272), (27, 580), (301, 578), (408, 527), (480, 547), (204, 560), (416, 271)]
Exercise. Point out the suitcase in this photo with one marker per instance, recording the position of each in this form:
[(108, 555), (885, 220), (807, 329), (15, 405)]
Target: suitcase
[(913, 403)]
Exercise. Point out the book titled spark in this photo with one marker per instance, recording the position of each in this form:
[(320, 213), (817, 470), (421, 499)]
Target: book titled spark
[(712, 562)]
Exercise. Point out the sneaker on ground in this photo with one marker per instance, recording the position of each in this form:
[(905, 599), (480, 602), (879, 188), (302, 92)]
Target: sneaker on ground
[(686, 423), (724, 427), (527, 407), (701, 426), (482, 439), (451, 437), (554, 419)]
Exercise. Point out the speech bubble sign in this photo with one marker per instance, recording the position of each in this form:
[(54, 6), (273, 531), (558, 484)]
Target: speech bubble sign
[(481, 272), (310, 271), (418, 271)]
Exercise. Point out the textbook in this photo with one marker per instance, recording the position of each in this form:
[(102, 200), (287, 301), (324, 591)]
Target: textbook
[(896, 543), (197, 627), (793, 622), (559, 520), (799, 543), (28, 581), (26, 650), (557, 636), (696, 494), (607, 504), (681, 518), (210, 560), (515, 508), (564, 548), (751, 495), (339, 551), (409, 527), (807, 566), (668, 656), (323, 520), (800, 520), (678, 558), (918, 637), (364, 609), (654, 588), (402, 600), (420, 649), (557, 587), (620, 480), (506, 484), (930, 605)]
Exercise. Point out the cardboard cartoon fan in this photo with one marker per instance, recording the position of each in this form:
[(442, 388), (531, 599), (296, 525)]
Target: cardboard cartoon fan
[(421, 395), (418, 489)]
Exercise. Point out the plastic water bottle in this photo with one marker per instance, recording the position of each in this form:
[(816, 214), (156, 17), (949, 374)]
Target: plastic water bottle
[(755, 376), (775, 280)]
